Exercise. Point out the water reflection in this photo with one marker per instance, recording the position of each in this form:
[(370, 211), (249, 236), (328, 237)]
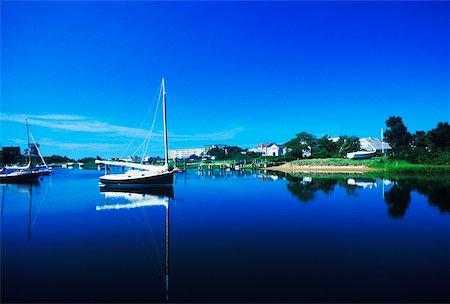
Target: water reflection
[(135, 198), (14, 188), (397, 199), (437, 193), (116, 199), (305, 188), (362, 182), (397, 196)]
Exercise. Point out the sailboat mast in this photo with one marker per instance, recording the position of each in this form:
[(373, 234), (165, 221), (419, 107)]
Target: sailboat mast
[(28, 142), (166, 146)]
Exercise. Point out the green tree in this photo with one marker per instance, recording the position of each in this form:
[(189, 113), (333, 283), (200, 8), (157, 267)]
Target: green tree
[(58, 159), (439, 137), (219, 154), (86, 160), (302, 141), (325, 148), (347, 144), (419, 139), (397, 135)]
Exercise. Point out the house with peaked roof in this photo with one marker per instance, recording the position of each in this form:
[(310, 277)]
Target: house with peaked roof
[(371, 144), (270, 149)]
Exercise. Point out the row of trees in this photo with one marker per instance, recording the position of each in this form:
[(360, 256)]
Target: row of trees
[(431, 147), (307, 145), (232, 153)]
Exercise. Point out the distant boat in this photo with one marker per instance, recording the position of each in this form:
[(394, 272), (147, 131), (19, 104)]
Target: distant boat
[(361, 154), (43, 169), (147, 175), (17, 174)]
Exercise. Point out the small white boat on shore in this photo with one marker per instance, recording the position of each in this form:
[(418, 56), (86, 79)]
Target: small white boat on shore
[(361, 154)]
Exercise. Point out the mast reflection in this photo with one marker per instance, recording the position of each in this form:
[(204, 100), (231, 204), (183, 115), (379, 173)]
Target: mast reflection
[(22, 187), (142, 198)]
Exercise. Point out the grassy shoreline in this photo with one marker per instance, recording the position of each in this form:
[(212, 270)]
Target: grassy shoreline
[(374, 165)]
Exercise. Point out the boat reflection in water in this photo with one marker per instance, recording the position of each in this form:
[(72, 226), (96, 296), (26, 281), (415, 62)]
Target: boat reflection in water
[(130, 198), (20, 187), (362, 182), (120, 198)]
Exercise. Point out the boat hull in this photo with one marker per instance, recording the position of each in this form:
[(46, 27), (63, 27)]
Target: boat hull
[(361, 155), (164, 179), (19, 177)]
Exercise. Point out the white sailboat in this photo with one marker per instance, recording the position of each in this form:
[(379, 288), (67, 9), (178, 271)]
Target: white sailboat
[(17, 174), (147, 175)]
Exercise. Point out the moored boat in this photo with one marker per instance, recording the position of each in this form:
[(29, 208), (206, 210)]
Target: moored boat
[(361, 154), (147, 175), (12, 176), (16, 174)]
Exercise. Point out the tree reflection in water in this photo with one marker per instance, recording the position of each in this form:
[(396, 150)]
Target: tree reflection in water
[(304, 189), (398, 198), (437, 192)]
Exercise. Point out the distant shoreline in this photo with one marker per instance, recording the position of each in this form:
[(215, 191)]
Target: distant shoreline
[(294, 168), (365, 166)]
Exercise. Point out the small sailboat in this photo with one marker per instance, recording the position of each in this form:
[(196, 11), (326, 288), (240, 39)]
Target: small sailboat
[(141, 175), (361, 154), (17, 174)]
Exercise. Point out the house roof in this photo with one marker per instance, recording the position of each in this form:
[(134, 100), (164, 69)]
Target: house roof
[(376, 143), (268, 144)]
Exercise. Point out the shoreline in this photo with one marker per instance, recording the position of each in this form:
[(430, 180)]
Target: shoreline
[(291, 168)]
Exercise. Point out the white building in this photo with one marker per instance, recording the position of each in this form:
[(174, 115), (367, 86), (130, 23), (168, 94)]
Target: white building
[(371, 144), (185, 153), (269, 149)]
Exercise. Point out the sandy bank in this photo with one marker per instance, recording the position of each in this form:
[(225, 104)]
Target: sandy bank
[(293, 168)]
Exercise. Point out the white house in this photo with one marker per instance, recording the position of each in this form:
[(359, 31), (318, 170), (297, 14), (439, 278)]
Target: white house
[(371, 144), (269, 149)]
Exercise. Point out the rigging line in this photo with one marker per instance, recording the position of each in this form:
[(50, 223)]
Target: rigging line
[(138, 148), (143, 241), (142, 123), (37, 148), (143, 143), (40, 206), (150, 132), (154, 241)]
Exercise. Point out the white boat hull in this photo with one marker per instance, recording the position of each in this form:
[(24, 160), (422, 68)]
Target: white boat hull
[(361, 154)]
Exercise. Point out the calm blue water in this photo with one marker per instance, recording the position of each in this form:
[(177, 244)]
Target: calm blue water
[(232, 238)]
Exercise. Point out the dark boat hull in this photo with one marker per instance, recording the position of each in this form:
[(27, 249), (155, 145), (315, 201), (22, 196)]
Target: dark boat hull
[(165, 179), (26, 177)]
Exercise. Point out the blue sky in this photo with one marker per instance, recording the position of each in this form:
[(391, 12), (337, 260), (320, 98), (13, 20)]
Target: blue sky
[(240, 73)]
